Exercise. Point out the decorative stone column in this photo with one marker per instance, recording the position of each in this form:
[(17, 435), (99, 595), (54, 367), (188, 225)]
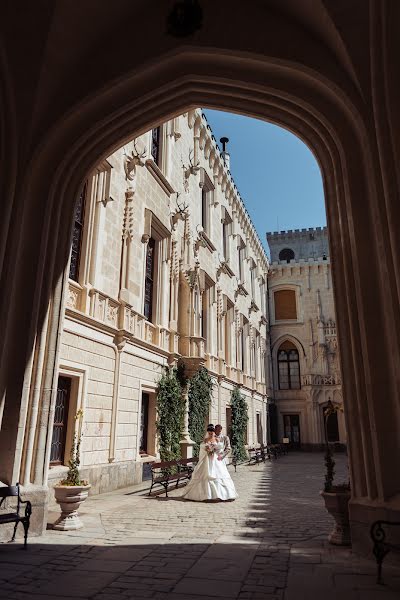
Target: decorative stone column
[(186, 442)]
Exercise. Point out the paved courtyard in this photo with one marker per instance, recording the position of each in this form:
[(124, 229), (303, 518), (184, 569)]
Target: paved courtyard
[(268, 544)]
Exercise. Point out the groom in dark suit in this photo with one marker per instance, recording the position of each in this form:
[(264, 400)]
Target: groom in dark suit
[(225, 439)]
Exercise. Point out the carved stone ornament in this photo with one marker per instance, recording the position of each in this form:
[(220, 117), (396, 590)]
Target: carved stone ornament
[(185, 18), (136, 159), (180, 213)]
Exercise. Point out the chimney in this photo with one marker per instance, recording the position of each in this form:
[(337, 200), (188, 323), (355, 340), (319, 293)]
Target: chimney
[(225, 155)]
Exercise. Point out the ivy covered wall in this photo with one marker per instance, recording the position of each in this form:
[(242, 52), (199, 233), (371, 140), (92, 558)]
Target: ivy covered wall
[(200, 390)]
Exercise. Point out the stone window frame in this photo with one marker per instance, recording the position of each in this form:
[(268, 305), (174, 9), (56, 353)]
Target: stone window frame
[(98, 186), (274, 360), (242, 255), (147, 387), (288, 362), (299, 305), (226, 221), (207, 204), (79, 374), (154, 229)]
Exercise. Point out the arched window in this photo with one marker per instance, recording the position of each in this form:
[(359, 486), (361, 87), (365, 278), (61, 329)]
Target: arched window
[(288, 367), (286, 254)]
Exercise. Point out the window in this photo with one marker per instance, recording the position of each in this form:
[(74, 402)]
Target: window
[(225, 241), (144, 423), (229, 325), (57, 451), (147, 425), (156, 145), (228, 417), (77, 235), (288, 367), (259, 429), (204, 209), (149, 280), (262, 296), (331, 425), (285, 305), (286, 254), (244, 335), (226, 221), (156, 238), (241, 263), (206, 201), (253, 281)]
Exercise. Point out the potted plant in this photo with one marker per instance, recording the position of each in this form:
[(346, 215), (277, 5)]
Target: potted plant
[(336, 497), (72, 491)]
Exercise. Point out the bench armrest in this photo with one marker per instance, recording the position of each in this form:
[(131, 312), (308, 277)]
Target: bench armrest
[(28, 507)]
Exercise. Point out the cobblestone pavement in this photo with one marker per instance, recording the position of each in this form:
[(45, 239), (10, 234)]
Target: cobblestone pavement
[(269, 544)]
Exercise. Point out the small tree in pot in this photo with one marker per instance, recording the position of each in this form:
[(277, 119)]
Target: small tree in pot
[(336, 497), (72, 491)]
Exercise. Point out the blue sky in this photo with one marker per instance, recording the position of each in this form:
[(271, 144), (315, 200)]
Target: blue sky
[(276, 174)]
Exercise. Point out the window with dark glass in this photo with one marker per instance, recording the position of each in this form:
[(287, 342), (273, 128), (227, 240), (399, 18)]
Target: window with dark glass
[(77, 235), (149, 280), (253, 282), (288, 367), (204, 208), (156, 145), (286, 254), (225, 240), (144, 423), (331, 425), (57, 450), (259, 429), (241, 264)]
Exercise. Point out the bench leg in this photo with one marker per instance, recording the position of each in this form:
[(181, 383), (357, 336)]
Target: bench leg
[(380, 554), (15, 531), (26, 527)]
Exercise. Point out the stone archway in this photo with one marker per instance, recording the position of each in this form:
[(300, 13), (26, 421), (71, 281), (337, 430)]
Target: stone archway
[(302, 89)]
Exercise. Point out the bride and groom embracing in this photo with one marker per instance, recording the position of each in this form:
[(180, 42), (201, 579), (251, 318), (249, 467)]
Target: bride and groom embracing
[(210, 479)]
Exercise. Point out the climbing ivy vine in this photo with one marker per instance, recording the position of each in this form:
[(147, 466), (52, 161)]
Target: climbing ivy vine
[(239, 424), (170, 411), (200, 390)]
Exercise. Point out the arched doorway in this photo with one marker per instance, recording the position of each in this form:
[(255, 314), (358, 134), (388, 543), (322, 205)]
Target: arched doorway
[(300, 87)]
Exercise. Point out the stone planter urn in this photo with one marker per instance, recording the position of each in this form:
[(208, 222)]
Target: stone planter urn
[(337, 505), (70, 497)]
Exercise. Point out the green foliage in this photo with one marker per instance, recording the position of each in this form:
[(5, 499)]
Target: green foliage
[(73, 476), (200, 389), (239, 424), (330, 471), (170, 409)]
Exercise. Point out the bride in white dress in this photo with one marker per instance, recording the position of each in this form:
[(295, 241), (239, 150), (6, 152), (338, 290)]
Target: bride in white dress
[(210, 479)]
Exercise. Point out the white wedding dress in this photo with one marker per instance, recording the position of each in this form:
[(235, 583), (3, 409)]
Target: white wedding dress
[(210, 479)]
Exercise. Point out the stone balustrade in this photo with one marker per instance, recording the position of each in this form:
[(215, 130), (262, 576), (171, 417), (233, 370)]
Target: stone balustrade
[(315, 379)]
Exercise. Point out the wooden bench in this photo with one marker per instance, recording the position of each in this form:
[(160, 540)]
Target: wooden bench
[(12, 491), (164, 473), (382, 545), (186, 467), (256, 455)]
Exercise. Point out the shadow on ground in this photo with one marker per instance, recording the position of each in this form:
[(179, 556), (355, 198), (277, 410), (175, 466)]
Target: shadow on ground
[(271, 543)]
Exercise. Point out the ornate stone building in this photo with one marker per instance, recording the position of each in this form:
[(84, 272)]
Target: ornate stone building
[(328, 75), (304, 348), (165, 264)]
